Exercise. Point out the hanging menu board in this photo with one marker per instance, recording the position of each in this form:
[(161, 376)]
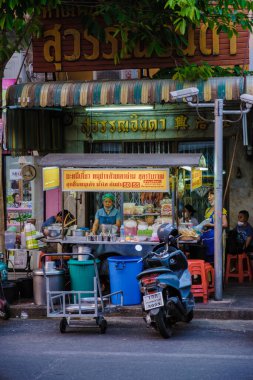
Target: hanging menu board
[(124, 180)]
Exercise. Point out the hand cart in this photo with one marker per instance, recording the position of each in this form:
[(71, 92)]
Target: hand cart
[(73, 307)]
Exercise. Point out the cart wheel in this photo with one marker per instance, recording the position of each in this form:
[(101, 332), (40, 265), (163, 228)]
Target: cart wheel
[(63, 325), (103, 326)]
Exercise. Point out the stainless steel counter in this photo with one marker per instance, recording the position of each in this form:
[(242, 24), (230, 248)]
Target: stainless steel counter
[(102, 247), (80, 240)]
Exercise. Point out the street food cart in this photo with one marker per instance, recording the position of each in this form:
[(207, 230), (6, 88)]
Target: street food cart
[(123, 173)]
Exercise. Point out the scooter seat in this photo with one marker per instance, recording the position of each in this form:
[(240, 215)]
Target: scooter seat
[(154, 270)]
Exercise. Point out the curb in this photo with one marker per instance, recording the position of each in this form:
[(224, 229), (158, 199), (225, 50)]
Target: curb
[(38, 312)]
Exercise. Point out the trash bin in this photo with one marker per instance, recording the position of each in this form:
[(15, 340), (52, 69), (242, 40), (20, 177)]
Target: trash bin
[(82, 275), (56, 282), (122, 272)]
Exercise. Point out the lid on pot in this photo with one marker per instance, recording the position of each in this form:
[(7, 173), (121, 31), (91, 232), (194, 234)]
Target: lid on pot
[(52, 272)]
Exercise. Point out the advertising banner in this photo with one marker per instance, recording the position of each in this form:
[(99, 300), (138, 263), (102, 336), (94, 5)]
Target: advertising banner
[(196, 179), (51, 178), (123, 180)]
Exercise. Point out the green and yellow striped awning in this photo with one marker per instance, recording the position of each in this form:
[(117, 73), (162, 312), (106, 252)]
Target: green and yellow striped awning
[(145, 91)]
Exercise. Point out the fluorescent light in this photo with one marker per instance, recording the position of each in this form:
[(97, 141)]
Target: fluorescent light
[(189, 168), (120, 108)]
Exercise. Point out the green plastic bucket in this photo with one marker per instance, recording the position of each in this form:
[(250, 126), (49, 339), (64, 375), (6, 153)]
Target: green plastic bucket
[(82, 275)]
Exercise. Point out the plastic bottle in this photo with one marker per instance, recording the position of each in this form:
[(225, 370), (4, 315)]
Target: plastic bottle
[(122, 231)]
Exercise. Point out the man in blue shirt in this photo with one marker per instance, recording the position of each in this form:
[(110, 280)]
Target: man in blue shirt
[(108, 214), (244, 231)]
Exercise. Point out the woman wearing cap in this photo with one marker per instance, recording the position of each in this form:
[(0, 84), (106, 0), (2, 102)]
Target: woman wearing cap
[(189, 215), (108, 214)]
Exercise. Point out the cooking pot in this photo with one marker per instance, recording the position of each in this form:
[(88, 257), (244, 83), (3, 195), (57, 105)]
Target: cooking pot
[(55, 231)]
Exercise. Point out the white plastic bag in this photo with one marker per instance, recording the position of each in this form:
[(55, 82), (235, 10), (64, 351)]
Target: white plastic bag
[(200, 226)]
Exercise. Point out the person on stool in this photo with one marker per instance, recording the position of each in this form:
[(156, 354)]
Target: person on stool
[(244, 232)]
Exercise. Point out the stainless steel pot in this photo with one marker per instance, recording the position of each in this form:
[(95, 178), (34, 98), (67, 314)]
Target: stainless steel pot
[(56, 232), (56, 282)]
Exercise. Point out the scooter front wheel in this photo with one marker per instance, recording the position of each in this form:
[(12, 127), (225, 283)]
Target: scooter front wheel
[(163, 324)]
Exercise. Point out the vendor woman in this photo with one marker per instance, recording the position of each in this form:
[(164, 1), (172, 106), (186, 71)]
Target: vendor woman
[(108, 214)]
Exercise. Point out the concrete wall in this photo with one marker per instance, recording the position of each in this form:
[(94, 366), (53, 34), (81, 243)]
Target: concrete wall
[(240, 189)]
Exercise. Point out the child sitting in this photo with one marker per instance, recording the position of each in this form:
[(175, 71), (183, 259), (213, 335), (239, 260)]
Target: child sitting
[(240, 238)]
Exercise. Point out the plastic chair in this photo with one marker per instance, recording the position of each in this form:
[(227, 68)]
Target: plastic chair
[(197, 268), (241, 264), (209, 270)]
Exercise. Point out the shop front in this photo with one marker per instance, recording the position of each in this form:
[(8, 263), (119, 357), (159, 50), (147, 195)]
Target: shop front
[(64, 117)]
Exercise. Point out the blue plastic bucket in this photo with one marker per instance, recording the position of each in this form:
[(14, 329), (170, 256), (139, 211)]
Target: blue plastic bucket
[(123, 271)]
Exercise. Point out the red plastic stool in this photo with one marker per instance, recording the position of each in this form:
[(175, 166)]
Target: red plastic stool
[(241, 263), (197, 268), (210, 278)]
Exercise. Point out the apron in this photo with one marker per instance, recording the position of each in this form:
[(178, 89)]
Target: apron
[(107, 219)]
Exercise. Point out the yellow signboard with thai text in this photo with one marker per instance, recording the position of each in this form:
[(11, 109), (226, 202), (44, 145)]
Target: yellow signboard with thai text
[(196, 178), (123, 180), (51, 178)]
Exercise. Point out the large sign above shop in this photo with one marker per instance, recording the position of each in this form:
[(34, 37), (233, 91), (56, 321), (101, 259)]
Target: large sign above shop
[(67, 46), (140, 125), (136, 180)]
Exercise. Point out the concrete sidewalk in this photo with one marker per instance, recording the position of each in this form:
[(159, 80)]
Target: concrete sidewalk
[(237, 303)]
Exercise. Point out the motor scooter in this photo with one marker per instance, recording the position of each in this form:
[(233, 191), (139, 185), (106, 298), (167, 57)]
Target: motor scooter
[(166, 287)]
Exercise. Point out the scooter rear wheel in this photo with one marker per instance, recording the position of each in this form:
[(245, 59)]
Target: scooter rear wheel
[(163, 325)]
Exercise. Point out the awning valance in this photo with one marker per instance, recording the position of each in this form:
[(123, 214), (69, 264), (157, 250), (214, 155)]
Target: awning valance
[(145, 91), (99, 160)]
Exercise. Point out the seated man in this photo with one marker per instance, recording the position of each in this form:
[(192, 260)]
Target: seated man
[(240, 238)]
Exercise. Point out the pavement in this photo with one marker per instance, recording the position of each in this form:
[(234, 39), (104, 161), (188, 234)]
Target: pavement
[(236, 303)]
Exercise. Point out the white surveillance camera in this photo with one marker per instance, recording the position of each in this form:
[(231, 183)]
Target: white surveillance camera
[(246, 98), (184, 93)]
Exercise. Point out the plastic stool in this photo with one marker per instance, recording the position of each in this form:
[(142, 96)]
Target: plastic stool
[(241, 263), (197, 267), (210, 278)]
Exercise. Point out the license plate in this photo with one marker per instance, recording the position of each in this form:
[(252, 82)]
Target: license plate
[(151, 301)]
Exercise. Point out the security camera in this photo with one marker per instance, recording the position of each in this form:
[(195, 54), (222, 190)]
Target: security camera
[(184, 93), (248, 99)]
